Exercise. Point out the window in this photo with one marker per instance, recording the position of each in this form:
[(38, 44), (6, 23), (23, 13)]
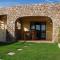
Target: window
[(43, 27), (37, 27), (43, 31)]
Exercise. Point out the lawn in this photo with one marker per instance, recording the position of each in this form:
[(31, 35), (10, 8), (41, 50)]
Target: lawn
[(33, 51)]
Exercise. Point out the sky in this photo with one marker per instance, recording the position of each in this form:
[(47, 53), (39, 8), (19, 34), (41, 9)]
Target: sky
[(5, 3)]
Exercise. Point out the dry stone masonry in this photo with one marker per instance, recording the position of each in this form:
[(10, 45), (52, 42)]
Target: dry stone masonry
[(50, 10)]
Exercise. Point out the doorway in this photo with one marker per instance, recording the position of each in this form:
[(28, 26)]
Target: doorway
[(40, 29), (3, 27)]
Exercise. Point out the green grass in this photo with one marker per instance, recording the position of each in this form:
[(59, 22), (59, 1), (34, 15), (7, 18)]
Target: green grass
[(36, 51)]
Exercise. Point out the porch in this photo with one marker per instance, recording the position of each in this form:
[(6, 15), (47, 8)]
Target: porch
[(34, 28)]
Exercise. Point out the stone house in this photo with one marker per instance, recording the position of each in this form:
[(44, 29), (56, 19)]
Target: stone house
[(36, 22)]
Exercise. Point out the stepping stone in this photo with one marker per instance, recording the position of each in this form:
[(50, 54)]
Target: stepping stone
[(19, 49), (30, 44), (25, 46), (59, 45), (11, 53)]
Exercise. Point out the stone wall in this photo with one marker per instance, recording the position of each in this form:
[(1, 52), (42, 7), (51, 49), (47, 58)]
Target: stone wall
[(50, 10)]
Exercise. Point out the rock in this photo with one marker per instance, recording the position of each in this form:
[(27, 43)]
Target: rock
[(19, 49), (30, 44), (11, 53), (59, 45), (25, 46)]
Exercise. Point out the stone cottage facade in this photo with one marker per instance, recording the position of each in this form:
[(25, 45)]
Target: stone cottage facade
[(10, 18)]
